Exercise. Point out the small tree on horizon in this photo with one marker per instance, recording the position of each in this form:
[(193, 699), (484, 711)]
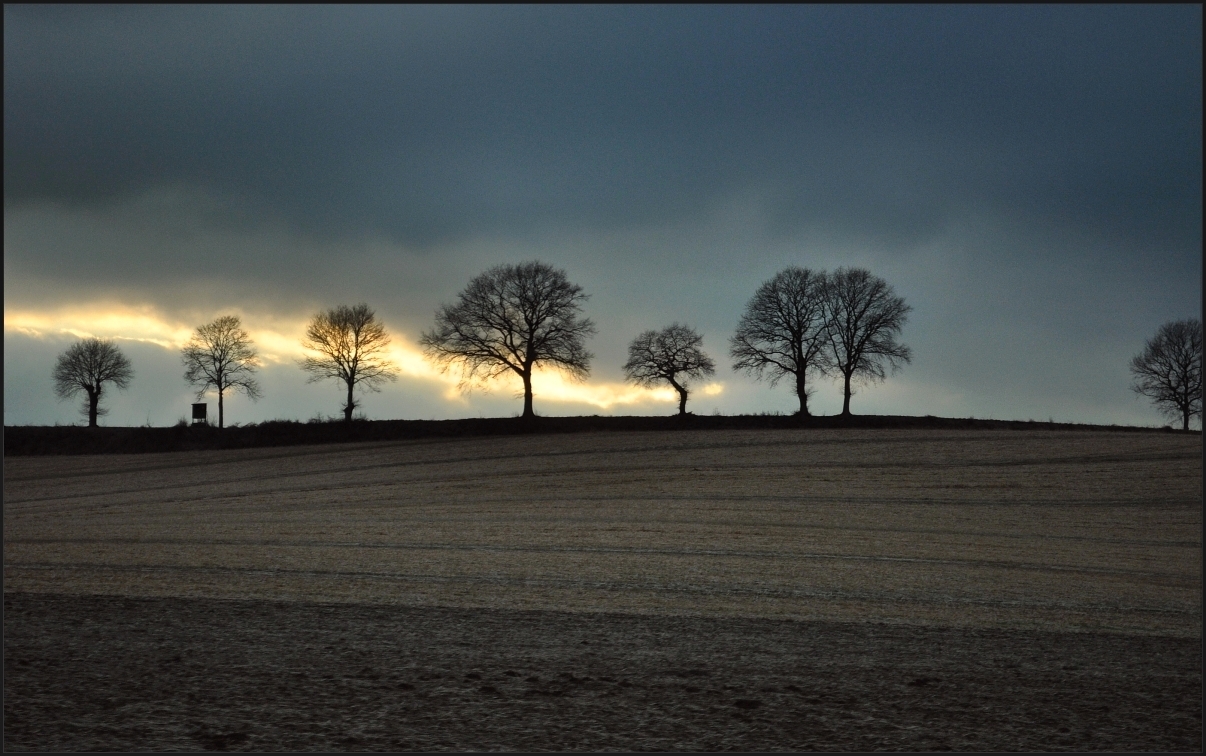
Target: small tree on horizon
[(510, 319), (863, 317), (1169, 370), (86, 367), (670, 355), (351, 344), (782, 331), (220, 356)]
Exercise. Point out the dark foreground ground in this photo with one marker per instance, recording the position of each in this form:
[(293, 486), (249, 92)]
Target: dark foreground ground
[(113, 673)]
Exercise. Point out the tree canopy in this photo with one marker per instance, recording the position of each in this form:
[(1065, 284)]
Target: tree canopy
[(351, 345), (220, 356), (1169, 370), (86, 367), (512, 318), (864, 316), (672, 354), (783, 330)]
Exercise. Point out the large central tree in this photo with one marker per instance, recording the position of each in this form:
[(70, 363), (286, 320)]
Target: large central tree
[(511, 318), (782, 331)]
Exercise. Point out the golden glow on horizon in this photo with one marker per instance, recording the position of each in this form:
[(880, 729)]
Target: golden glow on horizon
[(552, 385), (281, 344), (115, 322)]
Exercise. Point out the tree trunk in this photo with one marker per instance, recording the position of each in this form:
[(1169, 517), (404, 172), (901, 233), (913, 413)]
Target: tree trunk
[(527, 393), (682, 396), (220, 416), (347, 408), (802, 393), (1185, 418), (846, 397), (93, 404)]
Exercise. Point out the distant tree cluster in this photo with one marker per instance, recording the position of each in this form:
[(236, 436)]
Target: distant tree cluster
[(802, 322), (799, 324), (349, 343)]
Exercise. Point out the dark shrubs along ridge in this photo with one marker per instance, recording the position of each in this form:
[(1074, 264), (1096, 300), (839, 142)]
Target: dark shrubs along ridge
[(28, 440)]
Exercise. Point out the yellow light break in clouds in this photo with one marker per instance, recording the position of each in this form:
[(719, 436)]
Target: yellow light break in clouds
[(280, 343)]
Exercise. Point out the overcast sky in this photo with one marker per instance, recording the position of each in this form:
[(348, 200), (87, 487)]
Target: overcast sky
[(1028, 178)]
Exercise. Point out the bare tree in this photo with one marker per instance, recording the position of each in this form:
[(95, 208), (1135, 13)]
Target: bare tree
[(672, 354), (86, 367), (864, 317), (220, 356), (351, 344), (782, 331), (1169, 370), (511, 318)]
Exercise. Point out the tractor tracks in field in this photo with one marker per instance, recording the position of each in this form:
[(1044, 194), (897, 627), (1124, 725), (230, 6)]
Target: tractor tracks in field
[(1163, 455), (568, 473), (45, 506), (754, 525), (180, 464), (628, 551), (754, 590)]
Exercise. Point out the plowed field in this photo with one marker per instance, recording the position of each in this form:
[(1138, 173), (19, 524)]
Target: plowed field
[(753, 590)]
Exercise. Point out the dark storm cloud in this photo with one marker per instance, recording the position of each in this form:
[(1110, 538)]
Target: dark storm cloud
[(433, 124)]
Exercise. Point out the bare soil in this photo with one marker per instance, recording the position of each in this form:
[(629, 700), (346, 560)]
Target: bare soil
[(116, 673), (815, 589)]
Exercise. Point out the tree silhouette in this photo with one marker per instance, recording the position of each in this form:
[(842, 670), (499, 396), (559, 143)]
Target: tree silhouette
[(86, 367), (863, 318), (220, 356), (511, 318), (1169, 370), (351, 343), (672, 354), (782, 331)]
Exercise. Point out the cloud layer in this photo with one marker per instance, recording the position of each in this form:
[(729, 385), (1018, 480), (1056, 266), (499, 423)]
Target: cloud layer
[(1028, 177)]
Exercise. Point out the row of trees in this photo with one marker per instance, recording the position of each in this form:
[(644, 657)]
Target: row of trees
[(514, 317), (349, 341), (803, 322), (349, 345), (511, 318)]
